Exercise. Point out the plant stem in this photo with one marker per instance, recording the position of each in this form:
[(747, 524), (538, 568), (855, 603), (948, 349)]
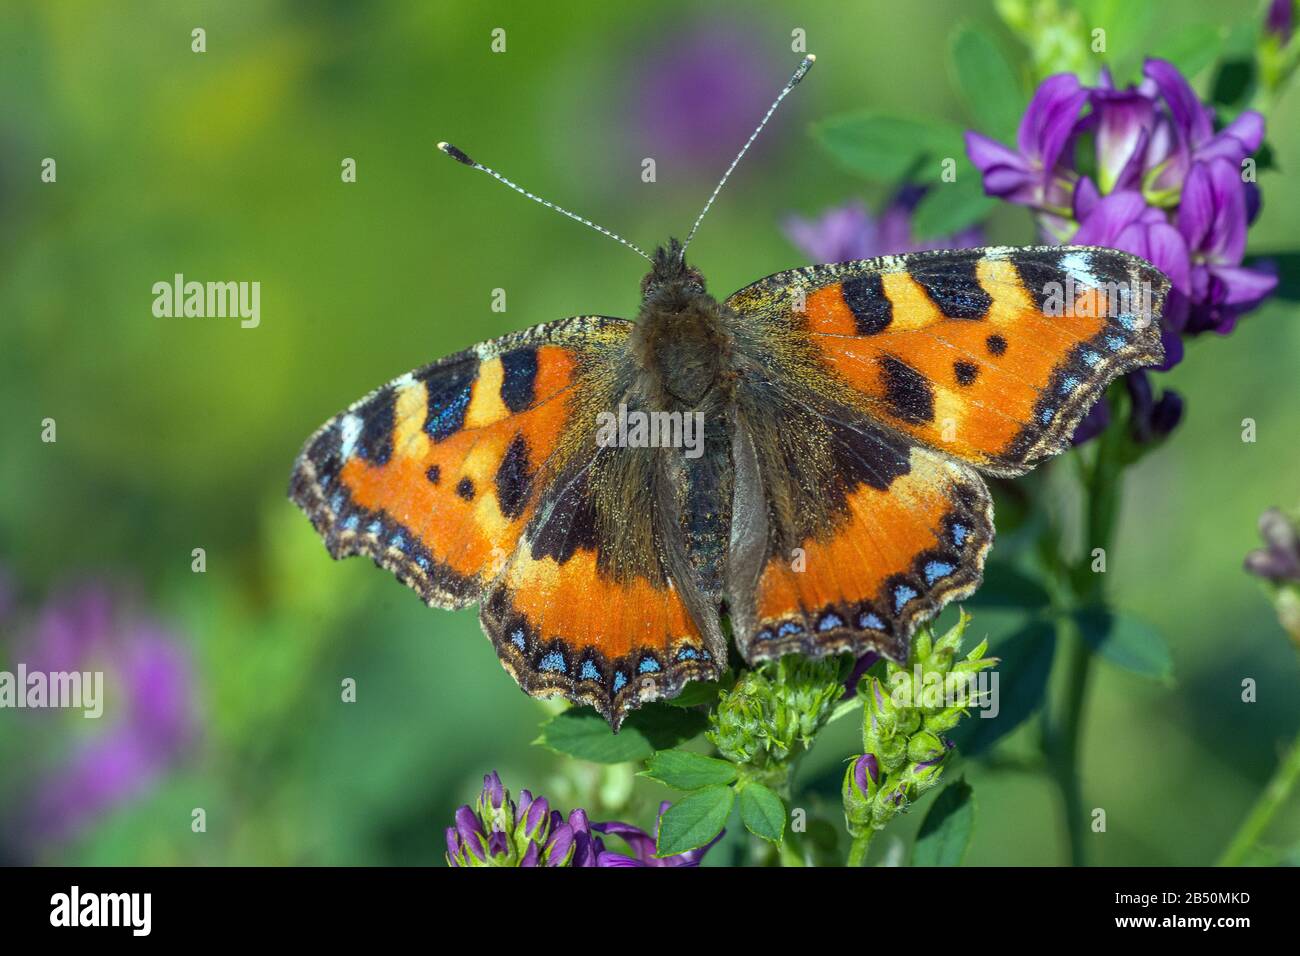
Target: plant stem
[(1063, 725), (1269, 802), (858, 851), (1061, 741)]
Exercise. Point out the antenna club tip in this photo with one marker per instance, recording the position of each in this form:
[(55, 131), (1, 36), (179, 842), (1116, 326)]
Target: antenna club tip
[(455, 153), (811, 58)]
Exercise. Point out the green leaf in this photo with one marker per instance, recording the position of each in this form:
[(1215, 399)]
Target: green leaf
[(1126, 642), (951, 207), (688, 771), (987, 81), (762, 811), (696, 694), (946, 831), (1007, 587), (885, 148), (694, 820), (1025, 665), (583, 733), (1191, 48)]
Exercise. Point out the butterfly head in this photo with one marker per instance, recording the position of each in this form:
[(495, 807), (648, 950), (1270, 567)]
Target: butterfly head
[(671, 283)]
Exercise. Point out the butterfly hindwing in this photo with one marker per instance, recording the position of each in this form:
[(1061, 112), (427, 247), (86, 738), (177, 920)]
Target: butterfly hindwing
[(573, 614), (989, 355)]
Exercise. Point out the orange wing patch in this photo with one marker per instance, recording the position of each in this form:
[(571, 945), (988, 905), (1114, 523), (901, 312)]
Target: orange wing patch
[(562, 627), (989, 355), (436, 474), (895, 558)]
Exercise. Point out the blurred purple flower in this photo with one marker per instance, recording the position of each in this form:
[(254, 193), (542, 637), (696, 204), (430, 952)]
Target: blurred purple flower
[(850, 232), (1279, 560), (1280, 20), (643, 845), (699, 93), (149, 708)]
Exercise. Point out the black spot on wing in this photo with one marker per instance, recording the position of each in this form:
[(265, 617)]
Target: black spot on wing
[(448, 389), (375, 444), (519, 378), (434, 474), (514, 478), (965, 372), (465, 488), (996, 344), (955, 290), (324, 454), (907, 392), (866, 299)]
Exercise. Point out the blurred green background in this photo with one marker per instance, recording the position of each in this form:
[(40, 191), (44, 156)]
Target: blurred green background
[(175, 434)]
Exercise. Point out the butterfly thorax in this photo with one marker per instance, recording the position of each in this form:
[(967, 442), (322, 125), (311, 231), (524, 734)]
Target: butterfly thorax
[(681, 343)]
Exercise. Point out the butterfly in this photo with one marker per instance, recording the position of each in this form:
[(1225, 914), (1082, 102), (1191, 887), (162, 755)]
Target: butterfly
[(801, 460)]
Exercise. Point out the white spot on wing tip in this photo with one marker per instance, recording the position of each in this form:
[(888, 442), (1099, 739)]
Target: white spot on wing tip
[(349, 432)]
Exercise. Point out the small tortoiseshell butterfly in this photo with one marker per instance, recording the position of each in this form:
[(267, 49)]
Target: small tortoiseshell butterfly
[(833, 499)]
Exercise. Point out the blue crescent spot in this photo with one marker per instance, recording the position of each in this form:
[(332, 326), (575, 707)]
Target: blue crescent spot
[(687, 654), (959, 534), (648, 665), (1069, 385), (589, 671), (517, 638), (830, 620), (1114, 342), (934, 570), (764, 635), (350, 523), (398, 542), (374, 527), (1047, 415), (872, 621), (553, 661), (1128, 321), (423, 562), (1091, 359), (620, 681), (788, 628), (336, 503), (903, 594)]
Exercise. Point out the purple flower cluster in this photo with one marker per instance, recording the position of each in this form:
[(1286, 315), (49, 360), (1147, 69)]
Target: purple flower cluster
[(1166, 186), (496, 832), (149, 718)]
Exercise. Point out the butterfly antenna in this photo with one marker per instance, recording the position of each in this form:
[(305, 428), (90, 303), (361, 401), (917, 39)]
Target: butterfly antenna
[(461, 157), (804, 66)]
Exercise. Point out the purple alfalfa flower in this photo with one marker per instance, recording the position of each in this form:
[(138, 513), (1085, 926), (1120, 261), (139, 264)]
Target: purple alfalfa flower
[(494, 832), (866, 774), (1213, 217), (1188, 135), (1038, 172), (848, 232), (643, 845), (150, 716), (860, 667)]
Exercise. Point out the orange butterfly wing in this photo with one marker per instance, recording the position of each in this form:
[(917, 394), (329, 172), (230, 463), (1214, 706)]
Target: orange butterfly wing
[(911, 370), (459, 478)]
